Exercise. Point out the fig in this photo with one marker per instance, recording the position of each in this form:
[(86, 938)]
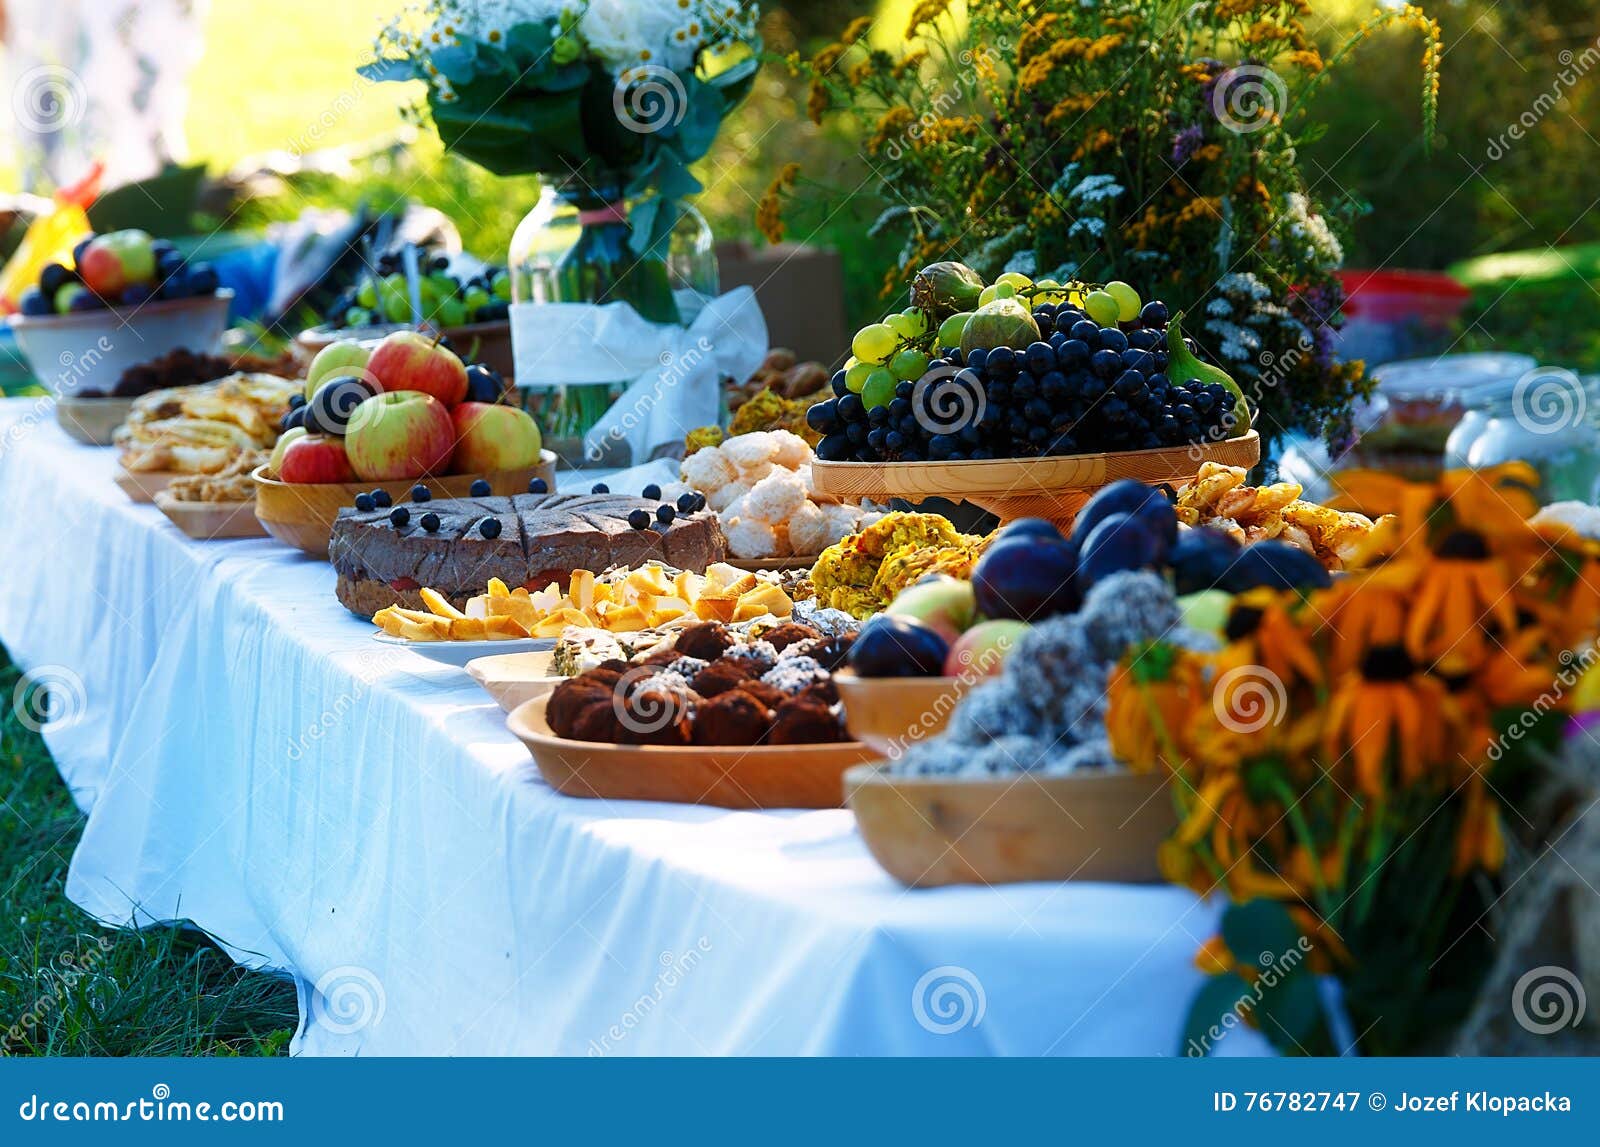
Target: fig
[(1004, 322), (1182, 365), (944, 289)]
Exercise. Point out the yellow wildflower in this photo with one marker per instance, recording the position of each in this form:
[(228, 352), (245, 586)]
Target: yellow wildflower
[(1104, 46), (856, 29), (828, 58), (926, 12), (1265, 32), (769, 212), (817, 101), (894, 123)]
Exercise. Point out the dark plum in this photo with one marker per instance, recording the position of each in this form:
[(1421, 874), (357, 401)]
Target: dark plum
[(1027, 577), (1277, 565), (1201, 559), (1029, 528), (1119, 542), (890, 646), (1129, 496)]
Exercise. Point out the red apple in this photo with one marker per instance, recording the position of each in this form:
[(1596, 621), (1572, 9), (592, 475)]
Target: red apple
[(400, 434), (316, 458), (491, 437), (942, 603), (981, 651), (407, 360), (113, 261)]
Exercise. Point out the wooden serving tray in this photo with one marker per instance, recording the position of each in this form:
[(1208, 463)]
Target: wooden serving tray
[(774, 565), (775, 776), (208, 521), (143, 485), (931, 831), (513, 679), (1051, 488), (92, 421), (890, 714), (303, 515)]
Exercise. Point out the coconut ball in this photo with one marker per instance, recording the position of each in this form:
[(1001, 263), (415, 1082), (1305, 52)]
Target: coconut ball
[(775, 497), (726, 495), (748, 451), (707, 470), (793, 451), (808, 529), (749, 538)]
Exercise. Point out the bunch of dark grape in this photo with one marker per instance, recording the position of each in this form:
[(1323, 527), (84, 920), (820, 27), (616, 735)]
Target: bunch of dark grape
[(1085, 387)]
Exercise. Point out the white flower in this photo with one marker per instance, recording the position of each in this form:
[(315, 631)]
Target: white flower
[(1088, 224), (1219, 307), (1093, 188), (1024, 262), (629, 33)]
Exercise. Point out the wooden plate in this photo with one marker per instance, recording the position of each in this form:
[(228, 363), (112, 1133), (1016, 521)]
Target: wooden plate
[(144, 485), (776, 776), (92, 421), (930, 831), (460, 653), (889, 714), (303, 515), (207, 521), (773, 565), (1051, 488), (515, 678)]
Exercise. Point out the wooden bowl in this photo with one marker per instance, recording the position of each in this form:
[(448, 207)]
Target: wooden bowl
[(775, 776), (889, 714), (92, 421), (209, 521), (772, 565), (492, 340), (302, 515), (1051, 488), (514, 679), (143, 485), (931, 831)]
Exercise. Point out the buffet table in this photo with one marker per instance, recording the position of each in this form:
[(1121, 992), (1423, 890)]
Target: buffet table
[(359, 817)]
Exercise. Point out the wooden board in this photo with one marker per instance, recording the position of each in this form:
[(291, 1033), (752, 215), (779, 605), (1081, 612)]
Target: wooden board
[(144, 485), (208, 521), (514, 679), (1051, 488), (774, 565), (777, 776), (92, 421), (931, 831), (303, 515)]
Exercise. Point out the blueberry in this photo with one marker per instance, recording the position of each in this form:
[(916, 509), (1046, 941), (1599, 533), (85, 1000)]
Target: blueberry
[(295, 417), (699, 501), (599, 488), (639, 519), (296, 401), (479, 488), (399, 516), (665, 514), (430, 522), (489, 527), (382, 499), (652, 492), (685, 503), (420, 493), (365, 504), (538, 486)]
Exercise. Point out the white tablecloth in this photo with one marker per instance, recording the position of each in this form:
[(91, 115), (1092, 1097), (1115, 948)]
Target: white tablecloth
[(252, 761)]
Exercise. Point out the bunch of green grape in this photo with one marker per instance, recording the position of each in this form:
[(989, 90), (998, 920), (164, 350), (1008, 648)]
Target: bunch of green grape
[(446, 301)]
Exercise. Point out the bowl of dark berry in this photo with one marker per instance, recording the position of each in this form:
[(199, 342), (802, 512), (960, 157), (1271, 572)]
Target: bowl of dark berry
[(126, 299), (1024, 398)]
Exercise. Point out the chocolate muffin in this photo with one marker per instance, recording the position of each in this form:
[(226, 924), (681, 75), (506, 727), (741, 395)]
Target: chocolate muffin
[(768, 695), (734, 718), (541, 538), (720, 676), (570, 698), (787, 634), (707, 640), (655, 715), (804, 721)]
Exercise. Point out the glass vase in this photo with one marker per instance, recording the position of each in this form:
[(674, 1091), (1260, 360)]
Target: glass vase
[(575, 246)]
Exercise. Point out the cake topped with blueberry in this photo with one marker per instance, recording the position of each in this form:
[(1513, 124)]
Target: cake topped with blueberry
[(385, 550)]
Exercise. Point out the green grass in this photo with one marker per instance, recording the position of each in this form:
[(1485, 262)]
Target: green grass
[(71, 988)]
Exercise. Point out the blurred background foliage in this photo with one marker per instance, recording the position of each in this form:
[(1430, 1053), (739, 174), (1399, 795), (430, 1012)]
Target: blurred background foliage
[(263, 81)]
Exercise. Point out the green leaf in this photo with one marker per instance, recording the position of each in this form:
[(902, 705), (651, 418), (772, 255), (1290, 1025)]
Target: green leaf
[(1218, 997), (529, 47), (456, 63), (1260, 932), (702, 119), (388, 71), (673, 180), (1290, 1014)]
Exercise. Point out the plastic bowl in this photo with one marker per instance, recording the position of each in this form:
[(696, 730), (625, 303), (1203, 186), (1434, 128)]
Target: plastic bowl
[(85, 350)]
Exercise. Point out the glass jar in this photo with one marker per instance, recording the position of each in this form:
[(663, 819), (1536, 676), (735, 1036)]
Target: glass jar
[(575, 246), (1549, 418)]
